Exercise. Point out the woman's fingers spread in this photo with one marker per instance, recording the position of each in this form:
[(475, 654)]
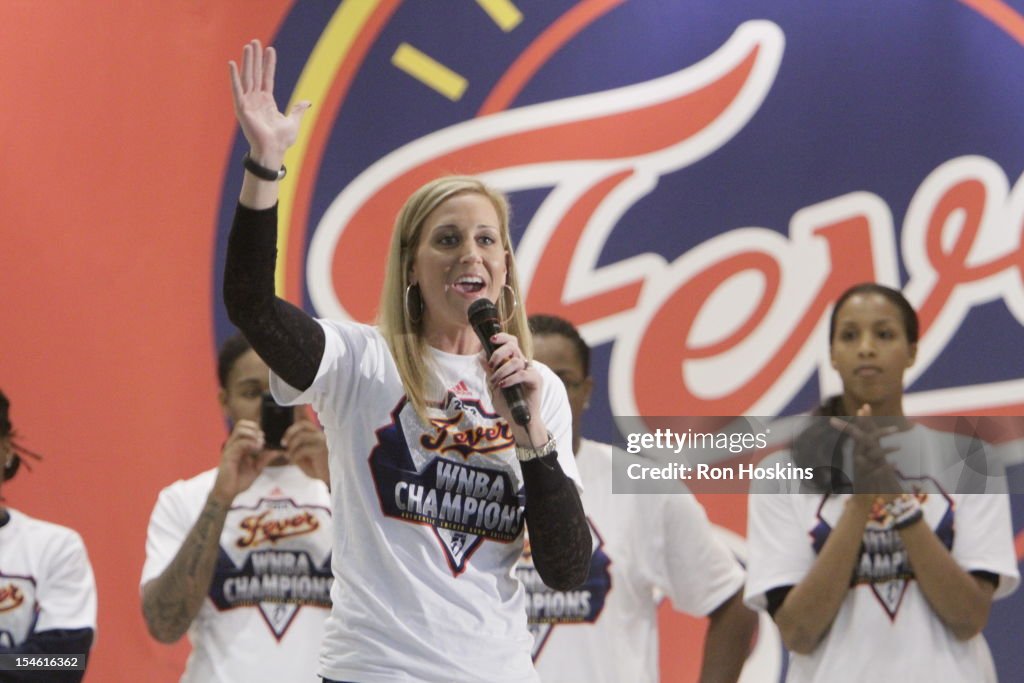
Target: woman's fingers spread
[(236, 83), (269, 69), (257, 69), (247, 68)]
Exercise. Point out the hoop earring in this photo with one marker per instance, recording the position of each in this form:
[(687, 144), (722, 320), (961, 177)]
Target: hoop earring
[(414, 319), (515, 302)]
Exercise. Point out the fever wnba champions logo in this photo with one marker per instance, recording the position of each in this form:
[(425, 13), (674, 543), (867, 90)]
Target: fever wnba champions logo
[(693, 183), (693, 186)]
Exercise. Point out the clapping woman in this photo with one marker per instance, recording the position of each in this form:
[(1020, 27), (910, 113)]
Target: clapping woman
[(880, 570)]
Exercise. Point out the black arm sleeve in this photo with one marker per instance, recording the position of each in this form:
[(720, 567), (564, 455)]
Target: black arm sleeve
[(285, 337), (52, 643), (989, 577), (775, 597), (559, 533)]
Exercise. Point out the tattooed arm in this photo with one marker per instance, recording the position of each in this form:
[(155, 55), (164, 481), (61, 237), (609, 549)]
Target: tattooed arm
[(172, 600)]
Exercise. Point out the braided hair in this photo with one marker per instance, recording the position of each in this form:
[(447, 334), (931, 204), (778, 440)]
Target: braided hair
[(10, 468)]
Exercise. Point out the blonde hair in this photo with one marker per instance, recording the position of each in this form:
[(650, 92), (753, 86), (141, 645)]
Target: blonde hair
[(405, 336)]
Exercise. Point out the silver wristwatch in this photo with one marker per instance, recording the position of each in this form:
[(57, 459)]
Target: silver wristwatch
[(525, 453)]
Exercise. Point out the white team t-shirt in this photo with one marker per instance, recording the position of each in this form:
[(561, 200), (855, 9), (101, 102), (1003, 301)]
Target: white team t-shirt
[(429, 520), (263, 618), (46, 581), (646, 546), (885, 629)]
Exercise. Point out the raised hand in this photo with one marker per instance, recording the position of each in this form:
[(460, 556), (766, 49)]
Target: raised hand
[(306, 446), (269, 132), (241, 461)]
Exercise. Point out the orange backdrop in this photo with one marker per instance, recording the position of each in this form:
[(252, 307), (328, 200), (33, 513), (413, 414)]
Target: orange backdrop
[(116, 136), (116, 127)]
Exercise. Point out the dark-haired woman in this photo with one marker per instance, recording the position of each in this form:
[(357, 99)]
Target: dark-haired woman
[(238, 556), (47, 590), (882, 570), (649, 547)]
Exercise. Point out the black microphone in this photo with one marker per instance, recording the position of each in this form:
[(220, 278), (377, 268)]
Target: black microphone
[(483, 316)]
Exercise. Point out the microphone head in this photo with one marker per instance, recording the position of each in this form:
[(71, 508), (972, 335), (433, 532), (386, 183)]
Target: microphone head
[(481, 310)]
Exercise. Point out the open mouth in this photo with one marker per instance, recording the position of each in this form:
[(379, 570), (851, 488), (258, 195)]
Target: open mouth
[(469, 284)]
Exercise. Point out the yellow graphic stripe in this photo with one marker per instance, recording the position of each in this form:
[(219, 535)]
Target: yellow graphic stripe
[(429, 71), (316, 79), (503, 13)]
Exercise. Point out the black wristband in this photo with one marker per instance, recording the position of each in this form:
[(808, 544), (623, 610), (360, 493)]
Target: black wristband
[(262, 172)]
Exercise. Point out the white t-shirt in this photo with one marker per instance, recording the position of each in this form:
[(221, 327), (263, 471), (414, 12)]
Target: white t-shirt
[(263, 618), (885, 629), (46, 581), (647, 546), (429, 520)]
